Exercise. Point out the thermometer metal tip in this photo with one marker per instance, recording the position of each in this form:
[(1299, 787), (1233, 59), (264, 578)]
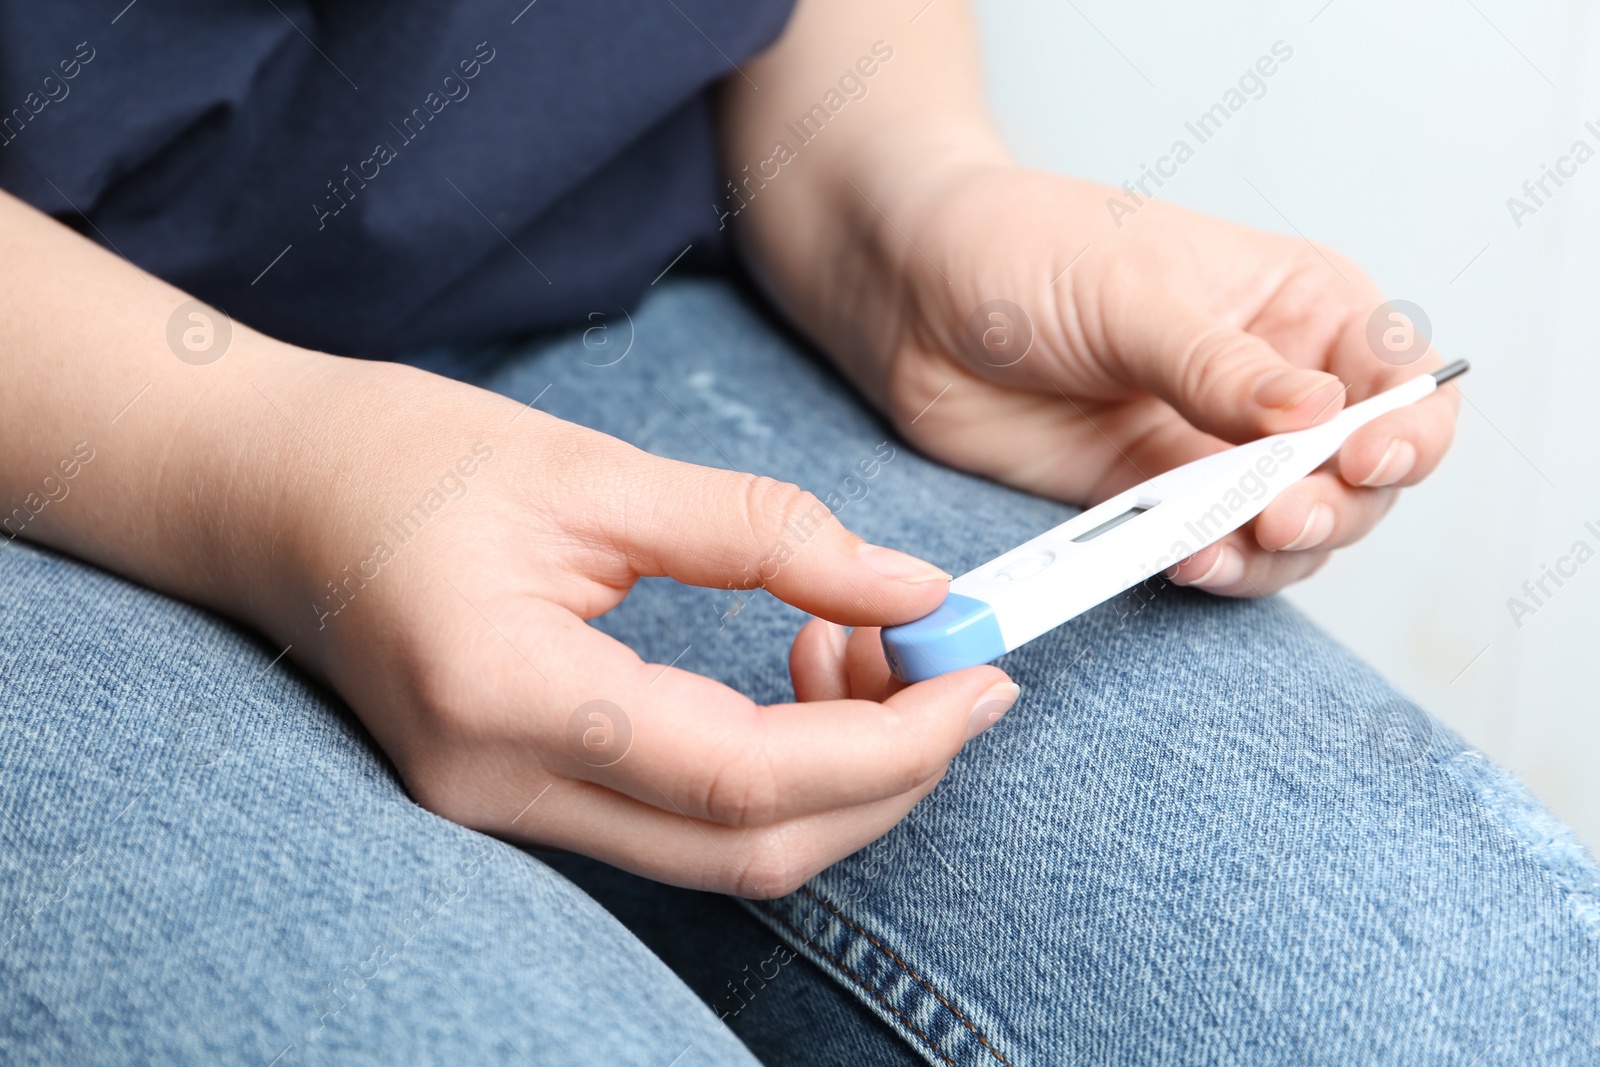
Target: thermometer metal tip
[(1451, 370)]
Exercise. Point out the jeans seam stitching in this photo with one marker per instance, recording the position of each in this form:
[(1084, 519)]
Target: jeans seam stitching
[(859, 980), (903, 965), (908, 969)]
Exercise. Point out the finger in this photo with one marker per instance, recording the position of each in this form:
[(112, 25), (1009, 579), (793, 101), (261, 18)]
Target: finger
[(723, 529), (721, 757), (670, 846), (1404, 446), (758, 765), (867, 667), (817, 662), (1236, 567), (871, 679), (1018, 436), (1223, 380), (1321, 512)]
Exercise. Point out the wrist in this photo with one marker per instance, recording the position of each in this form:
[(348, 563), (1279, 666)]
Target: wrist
[(358, 473), (247, 456), (271, 463), (882, 227), (893, 177), (832, 247)]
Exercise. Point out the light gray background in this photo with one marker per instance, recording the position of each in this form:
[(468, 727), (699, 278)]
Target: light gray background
[(1396, 133)]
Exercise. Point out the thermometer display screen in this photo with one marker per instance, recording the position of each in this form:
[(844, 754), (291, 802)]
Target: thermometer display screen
[(1110, 524)]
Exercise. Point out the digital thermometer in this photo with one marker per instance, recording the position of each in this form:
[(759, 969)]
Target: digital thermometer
[(1115, 545)]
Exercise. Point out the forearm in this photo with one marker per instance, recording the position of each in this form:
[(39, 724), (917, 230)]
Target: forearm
[(85, 359), (117, 451), (820, 204)]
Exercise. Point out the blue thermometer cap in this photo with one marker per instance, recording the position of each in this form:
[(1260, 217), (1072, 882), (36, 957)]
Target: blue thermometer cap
[(961, 632)]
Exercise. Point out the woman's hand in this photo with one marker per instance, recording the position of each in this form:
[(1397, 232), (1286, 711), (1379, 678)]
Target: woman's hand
[(441, 550), (1147, 337), (433, 552), (1042, 343)]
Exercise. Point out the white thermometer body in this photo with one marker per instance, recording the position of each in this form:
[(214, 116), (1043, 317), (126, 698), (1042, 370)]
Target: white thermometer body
[(1115, 545)]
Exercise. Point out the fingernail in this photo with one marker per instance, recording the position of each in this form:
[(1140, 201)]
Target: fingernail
[(1225, 570), (1287, 390), (838, 638), (1318, 527), (899, 566), (1397, 461), (995, 702)]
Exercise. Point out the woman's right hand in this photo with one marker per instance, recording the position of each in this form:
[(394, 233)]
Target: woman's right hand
[(436, 551), (258, 479)]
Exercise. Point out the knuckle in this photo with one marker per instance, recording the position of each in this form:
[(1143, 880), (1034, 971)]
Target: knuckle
[(1217, 358), (912, 384), (741, 789), (927, 753), (927, 763), (774, 868), (775, 512)]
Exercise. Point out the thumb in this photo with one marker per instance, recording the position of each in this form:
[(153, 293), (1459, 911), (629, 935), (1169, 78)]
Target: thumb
[(1223, 380), (729, 530)]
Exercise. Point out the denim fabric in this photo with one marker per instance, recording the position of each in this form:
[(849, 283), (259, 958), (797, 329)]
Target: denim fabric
[(1205, 834), (203, 860)]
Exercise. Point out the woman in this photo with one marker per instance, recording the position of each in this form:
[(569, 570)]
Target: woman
[(420, 441)]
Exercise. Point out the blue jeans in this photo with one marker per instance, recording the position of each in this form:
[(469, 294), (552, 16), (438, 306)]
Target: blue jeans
[(1205, 834)]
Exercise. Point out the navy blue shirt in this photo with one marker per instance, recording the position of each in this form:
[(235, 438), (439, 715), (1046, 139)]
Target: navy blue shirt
[(372, 176)]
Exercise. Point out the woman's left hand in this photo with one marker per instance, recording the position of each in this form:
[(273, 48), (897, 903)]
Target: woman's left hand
[(1036, 337)]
